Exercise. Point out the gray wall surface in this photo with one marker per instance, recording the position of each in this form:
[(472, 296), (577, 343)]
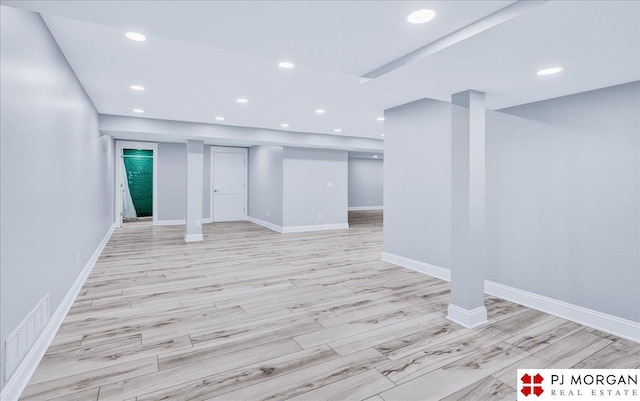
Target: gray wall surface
[(365, 182), (563, 195), (265, 183), (315, 187), (563, 185), (57, 172), (172, 181), (417, 181), (206, 191)]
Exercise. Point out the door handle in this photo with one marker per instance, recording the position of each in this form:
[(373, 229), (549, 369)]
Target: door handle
[(215, 190)]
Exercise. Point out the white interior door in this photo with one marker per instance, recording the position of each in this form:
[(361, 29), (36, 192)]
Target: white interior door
[(229, 186)]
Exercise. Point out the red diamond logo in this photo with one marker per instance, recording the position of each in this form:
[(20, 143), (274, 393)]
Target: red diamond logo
[(532, 385)]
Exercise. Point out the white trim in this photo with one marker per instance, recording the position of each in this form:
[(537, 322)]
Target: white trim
[(18, 381), (193, 238), (317, 227), (178, 222), (620, 327), (224, 149), (624, 328), (469, 319), (422, 267), (120, 145), (265, 224), (354, 208), (207, 220), (297, 229)]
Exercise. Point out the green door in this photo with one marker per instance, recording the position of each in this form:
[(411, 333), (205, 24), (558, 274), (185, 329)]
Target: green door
[(139, 167)]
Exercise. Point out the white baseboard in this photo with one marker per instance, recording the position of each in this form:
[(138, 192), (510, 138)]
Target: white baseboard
[(265, 224), (469, 319), (620, 327), (422, 267), (355, 208), (193, 238), (297, 229), (318, 227), (588, 317), (18, 381), (179, 222)]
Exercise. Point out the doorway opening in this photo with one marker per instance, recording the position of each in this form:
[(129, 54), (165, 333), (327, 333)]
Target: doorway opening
[(137, 185), (136, 182)]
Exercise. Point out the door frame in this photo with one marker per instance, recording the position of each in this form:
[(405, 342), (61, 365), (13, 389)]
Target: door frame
[(225, 149), (120, 145)]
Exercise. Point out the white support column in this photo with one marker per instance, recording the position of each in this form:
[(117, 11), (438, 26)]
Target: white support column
[(195, 172), (467, 209)]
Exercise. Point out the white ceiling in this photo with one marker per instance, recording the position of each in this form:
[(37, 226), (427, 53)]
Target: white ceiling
[(596, 42), (200, 56)]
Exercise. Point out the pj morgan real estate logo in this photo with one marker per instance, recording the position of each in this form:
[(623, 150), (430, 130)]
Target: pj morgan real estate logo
[(578, 384)]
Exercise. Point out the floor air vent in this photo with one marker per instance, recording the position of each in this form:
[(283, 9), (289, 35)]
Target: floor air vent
[(19, 343)]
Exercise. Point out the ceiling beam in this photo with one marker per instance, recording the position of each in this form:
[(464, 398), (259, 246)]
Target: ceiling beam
[(504, 14), (154, 130)]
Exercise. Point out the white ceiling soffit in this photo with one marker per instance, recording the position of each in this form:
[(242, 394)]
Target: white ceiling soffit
[(347, 37), (190, 82), (366, 155), (147, 129), (488, 22), (597, 43), (200, 56)]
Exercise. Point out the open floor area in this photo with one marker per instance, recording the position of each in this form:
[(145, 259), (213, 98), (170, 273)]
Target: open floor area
[(251, 314)]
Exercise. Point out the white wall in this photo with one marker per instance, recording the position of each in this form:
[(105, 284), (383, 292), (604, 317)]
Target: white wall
[(56, 195), (265, 183), (172, 181), (417, 181), (563, 187), (365, 182), (206, 189), (315, 186), (563, 203)]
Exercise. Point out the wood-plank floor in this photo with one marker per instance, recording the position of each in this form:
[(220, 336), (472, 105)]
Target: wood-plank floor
[(250, 314)]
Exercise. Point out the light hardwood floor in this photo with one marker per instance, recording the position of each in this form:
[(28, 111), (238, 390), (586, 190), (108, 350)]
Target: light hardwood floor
[(250, 314)]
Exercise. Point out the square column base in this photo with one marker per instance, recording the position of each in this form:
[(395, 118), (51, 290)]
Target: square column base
[(469, 319), (193, 238)]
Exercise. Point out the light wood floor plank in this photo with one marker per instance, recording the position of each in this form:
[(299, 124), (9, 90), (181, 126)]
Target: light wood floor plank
[(163, 379), (233, 380), (253, 314), (304, 380), (487, 389), (353, 388), (70, 385), (457, 375)]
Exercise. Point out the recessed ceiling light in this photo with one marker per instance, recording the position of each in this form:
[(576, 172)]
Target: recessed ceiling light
[(220, 118), (284, 125), (380, 118), (242, 100), (337, 130), (320, 111), (285, 64), (382, 135), (550, 71), (375, 156), (138, 111), (138, 37), (421, 16), (137, 87)]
